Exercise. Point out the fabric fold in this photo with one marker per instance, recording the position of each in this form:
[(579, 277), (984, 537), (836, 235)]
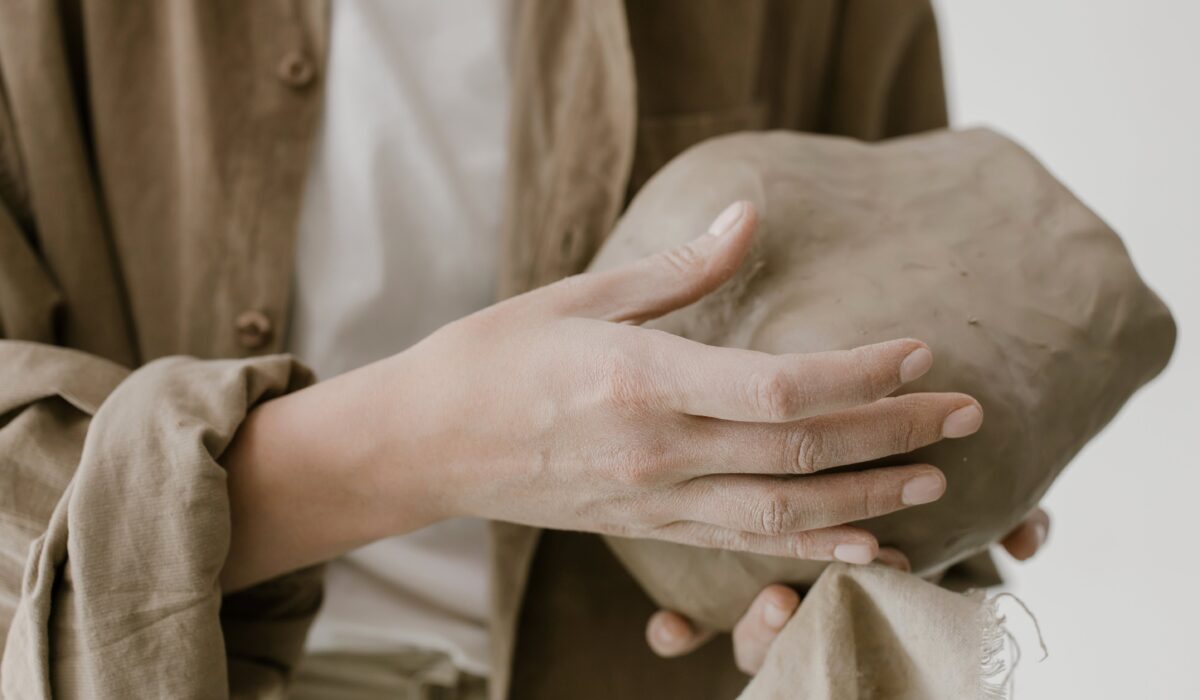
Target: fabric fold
[(875, 632), (120, 595)]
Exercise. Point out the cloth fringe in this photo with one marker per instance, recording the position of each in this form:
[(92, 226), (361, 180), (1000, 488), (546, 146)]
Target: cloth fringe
[(999, 651)]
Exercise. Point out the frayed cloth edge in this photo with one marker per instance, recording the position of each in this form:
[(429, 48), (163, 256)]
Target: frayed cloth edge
[(999, 652)]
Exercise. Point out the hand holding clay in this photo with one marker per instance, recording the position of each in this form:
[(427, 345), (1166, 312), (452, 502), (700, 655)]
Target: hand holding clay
[(671, 634), (1029, 301), (555, 409)]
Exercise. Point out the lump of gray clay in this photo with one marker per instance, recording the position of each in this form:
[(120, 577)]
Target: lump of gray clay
[(961, 239)]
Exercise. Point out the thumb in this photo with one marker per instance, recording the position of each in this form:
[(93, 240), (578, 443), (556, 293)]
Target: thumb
[(663, 282), (671, 634)]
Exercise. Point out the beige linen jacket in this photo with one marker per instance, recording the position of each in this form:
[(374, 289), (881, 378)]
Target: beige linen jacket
[(152, 156)]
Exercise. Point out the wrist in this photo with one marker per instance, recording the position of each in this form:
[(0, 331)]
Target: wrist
[(390, 448), (316, 473), (357, 431)]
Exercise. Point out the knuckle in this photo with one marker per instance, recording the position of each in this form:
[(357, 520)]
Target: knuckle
[(637, 466), (623, 384), (802, 545), (776, 396), (776, 515), (806, 452), (684, 261), (715, 538), (908, 437), (630, 473)]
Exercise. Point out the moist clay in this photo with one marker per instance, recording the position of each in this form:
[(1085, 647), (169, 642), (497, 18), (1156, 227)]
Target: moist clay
[(960, 239)]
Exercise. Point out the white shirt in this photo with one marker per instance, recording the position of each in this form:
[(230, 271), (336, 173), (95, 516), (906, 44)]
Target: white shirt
[(398, 235)]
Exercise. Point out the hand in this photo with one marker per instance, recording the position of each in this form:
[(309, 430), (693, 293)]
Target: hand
[(670, 634), (1027, 538), (555, 409)]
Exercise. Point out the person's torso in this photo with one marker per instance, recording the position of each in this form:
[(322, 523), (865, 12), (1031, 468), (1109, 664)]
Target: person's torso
[(155, 156), (399, 234)]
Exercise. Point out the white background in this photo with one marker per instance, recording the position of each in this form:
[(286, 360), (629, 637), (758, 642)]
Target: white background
[(1107, 94)]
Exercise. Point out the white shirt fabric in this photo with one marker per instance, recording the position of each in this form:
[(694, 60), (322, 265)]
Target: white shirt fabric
[(398, 235)]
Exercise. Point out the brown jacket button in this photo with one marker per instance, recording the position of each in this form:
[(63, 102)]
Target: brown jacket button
[(253, 329), (296, 69)]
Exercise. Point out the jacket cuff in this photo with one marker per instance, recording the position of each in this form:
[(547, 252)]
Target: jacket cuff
[(121, 593)]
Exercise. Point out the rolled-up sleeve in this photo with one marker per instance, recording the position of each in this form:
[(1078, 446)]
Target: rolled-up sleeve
[(114, 527), (114, 512)]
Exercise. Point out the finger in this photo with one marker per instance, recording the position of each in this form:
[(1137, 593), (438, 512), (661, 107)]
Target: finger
[(663, 282), (671, 634), (744, 385), (894, 559), (886, 427), (775, 506), (758, 628), (1028, 537), (844, 543)]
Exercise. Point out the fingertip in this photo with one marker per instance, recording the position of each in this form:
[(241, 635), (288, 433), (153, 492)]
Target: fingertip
[(729, 219), (856, 552), (1027, 539), (750, 220), (963, 421), (894, 559), (926, 487), (1020, 544), (778, 603), (1041, 524), (916, 364), (734, 236), (668, 634)]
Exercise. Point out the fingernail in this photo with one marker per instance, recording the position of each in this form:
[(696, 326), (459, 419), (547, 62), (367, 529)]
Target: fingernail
[(727, 219), (1039, 530), (775, 615), (916, 364), (668, 634), (854, 553), (962, 422), (926, 488)]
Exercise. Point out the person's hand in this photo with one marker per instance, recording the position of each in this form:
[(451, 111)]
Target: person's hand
[(1027, 538), (670, 634), (555, 409)]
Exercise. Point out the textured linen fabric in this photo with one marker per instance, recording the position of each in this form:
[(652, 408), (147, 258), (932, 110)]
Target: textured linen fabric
[(413, 674), (152, 163), (399, 234), (867, 632), (127, 535)]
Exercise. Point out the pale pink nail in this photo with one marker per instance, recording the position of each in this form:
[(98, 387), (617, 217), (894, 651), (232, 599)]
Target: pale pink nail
[(775, 615), (926, 488), (669, 633), (916, 364), (962, 422), (854, 553), (727, 219)]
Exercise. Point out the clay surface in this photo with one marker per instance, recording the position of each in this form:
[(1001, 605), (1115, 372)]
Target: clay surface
[(961, 239)]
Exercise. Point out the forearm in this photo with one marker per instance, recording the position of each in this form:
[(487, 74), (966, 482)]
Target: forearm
[(311, 476), (552, 409)]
